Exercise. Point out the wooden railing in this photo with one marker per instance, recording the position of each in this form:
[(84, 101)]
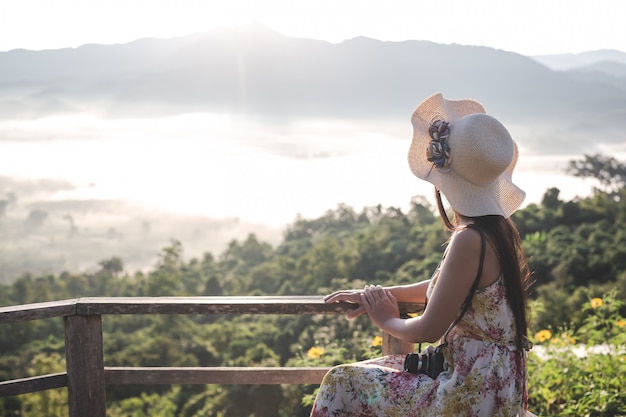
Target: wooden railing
[(86, 376)]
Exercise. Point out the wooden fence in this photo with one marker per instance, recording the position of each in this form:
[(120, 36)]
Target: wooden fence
[(86, 376)]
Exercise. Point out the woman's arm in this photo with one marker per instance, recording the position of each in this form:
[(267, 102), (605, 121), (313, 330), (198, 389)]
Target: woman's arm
[(456, 276), (413, 293)]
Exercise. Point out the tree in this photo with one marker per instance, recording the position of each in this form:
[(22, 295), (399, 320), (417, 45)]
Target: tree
[(551, 198), (607, 170), (571, 245), (47, 402), (165, 280), (113, 266)]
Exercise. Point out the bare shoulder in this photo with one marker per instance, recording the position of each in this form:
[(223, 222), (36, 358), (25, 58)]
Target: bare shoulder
[(465, 257), (465, 239)]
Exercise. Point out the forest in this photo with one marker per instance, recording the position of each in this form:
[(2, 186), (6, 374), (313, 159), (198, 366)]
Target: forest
[(576, 250)]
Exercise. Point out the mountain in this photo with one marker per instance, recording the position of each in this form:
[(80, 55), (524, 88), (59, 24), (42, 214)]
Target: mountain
[(602, 67), (254, 70), (561, 62)]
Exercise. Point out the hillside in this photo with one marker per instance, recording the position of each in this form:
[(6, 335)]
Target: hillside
[(254, 70)]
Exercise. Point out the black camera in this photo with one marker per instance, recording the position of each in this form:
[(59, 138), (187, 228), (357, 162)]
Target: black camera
[(430, 363)]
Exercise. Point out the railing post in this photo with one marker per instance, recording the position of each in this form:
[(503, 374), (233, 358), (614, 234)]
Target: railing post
[(392, 346), (85, 366)]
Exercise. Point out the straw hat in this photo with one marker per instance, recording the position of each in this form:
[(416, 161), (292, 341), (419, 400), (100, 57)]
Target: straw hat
[(468, 155)]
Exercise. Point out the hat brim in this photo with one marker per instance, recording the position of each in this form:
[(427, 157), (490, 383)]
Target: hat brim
[(500, 197)]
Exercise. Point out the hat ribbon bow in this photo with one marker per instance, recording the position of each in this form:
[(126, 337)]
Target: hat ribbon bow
[(438, 150)]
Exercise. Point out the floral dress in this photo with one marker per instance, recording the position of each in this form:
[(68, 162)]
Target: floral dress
[(485, 376)]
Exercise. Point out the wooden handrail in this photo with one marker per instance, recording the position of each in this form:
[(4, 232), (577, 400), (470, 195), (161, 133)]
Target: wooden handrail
[(86, 375), (33, 384), (297, 304), (37, 311)]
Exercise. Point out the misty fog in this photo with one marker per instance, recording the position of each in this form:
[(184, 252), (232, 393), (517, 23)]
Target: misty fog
[(115, 150), (76, 191)]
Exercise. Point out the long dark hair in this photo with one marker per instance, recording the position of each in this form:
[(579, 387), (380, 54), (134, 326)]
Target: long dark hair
[(505, 238)]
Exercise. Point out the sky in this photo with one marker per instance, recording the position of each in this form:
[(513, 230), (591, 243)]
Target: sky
[(529, 27)]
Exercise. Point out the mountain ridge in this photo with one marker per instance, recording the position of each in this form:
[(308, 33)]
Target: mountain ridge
[(582, 59), (255, 70)]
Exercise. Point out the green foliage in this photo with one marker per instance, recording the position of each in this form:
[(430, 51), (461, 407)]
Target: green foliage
[(610, 173), (603, 322), (50, 402), (576, 250), (146, 405), (570, 379)]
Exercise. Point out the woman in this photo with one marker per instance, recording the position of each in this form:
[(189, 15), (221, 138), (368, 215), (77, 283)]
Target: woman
[(469, 157)]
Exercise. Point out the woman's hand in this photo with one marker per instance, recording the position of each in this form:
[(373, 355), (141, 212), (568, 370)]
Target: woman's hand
[(350, 296), (380, 304)]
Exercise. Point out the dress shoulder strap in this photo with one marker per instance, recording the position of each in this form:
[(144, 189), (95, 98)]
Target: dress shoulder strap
[(470, 295)]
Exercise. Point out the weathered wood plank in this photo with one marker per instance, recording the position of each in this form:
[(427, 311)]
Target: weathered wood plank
[(392, 345), (33, 384), (85, 367), (209, 305), (180, 305), (35, 311), (217, 375), (218, 305)]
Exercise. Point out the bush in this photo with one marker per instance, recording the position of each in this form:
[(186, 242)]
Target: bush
[(580, 372)]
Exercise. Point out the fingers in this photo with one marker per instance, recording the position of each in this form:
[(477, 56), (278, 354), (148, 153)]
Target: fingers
[(351, 296), (330, 298), (371, 296), (356, 313), (368, 298), (366, 302), (375, 293)]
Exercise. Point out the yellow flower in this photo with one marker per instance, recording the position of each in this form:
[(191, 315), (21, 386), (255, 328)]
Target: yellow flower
[(621, 323), (315, 352), (596, 302), (543, 335), (377, 341), (568, 338)]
